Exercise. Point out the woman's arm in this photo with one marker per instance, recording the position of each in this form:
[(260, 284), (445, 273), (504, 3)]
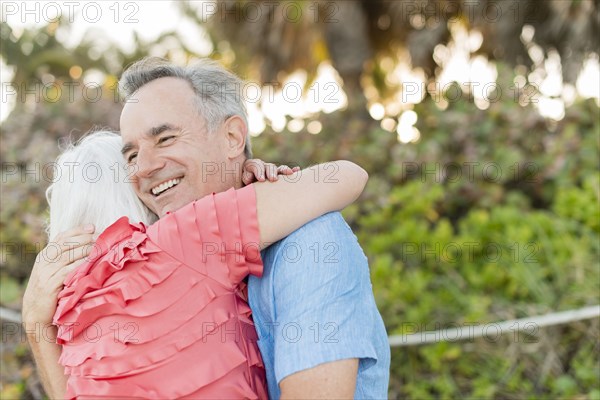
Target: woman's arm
[(294, 200)]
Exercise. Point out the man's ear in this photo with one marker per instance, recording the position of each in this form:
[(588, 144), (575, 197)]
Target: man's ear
[(235, 131)]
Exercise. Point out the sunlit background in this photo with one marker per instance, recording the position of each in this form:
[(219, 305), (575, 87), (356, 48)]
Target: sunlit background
[(457, 60)]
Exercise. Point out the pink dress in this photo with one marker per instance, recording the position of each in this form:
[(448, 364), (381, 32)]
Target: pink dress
[(161, 311)]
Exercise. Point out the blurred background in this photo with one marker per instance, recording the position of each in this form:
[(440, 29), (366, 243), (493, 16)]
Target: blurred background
[(478, 122)]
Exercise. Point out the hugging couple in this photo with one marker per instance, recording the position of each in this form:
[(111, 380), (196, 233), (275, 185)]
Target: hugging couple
[(207, 274)]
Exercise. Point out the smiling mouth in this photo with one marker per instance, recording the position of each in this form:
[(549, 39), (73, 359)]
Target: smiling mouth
[(165, 186)]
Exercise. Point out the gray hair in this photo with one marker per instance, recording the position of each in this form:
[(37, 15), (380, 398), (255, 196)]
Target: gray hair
[(90, 186), (218, 91)]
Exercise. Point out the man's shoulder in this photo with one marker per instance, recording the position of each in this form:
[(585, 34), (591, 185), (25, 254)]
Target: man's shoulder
[(330, 227), (323, 239), (332, 223)]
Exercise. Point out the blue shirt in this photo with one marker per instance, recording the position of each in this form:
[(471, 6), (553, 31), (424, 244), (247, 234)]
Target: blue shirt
[(314, 304)]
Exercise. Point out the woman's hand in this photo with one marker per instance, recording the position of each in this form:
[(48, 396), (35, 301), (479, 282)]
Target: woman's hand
[(52, 265), (285, 206), (255, 170)]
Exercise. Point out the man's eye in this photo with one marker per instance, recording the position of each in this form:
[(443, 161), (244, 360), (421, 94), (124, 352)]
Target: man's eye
[(131, 157), (165, 138)]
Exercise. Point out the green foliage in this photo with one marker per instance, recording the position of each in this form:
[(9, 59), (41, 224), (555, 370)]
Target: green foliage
[(10, 290), (492, 215)]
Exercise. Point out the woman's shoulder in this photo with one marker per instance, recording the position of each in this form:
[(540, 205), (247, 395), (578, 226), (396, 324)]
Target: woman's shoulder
[(116, 245), (109, 245)]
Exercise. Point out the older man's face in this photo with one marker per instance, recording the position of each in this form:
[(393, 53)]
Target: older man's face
[(175, 159)]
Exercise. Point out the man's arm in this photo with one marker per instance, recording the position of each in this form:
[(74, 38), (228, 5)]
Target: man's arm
[(326, 325), (332, 380), (40, 299), (42, 340)]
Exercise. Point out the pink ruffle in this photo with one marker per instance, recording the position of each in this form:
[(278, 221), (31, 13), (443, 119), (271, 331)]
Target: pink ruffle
[(144, 321)]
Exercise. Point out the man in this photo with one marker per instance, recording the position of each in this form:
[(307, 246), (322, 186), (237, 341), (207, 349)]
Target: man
[(321, 335)]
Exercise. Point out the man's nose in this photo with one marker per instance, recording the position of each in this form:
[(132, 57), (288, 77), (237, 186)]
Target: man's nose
[(147, 163)]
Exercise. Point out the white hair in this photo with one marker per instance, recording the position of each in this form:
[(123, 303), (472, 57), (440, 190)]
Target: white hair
[(91, 186)]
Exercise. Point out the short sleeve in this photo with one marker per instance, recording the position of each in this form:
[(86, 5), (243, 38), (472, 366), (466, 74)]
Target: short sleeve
[(218, 229), (325, 310)]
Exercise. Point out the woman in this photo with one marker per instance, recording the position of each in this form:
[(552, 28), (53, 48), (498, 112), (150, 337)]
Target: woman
[(160, 311)]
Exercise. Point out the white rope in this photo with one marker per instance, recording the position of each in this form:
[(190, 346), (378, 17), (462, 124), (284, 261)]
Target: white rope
[(491, 331), (9, 315), (494, 330)]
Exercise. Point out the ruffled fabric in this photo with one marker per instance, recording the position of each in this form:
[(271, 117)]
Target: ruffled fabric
[(161, 311)]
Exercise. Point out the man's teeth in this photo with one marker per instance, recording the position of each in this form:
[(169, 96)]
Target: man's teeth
[(164, 186)]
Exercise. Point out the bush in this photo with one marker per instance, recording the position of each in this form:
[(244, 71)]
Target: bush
[(491, 215)]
